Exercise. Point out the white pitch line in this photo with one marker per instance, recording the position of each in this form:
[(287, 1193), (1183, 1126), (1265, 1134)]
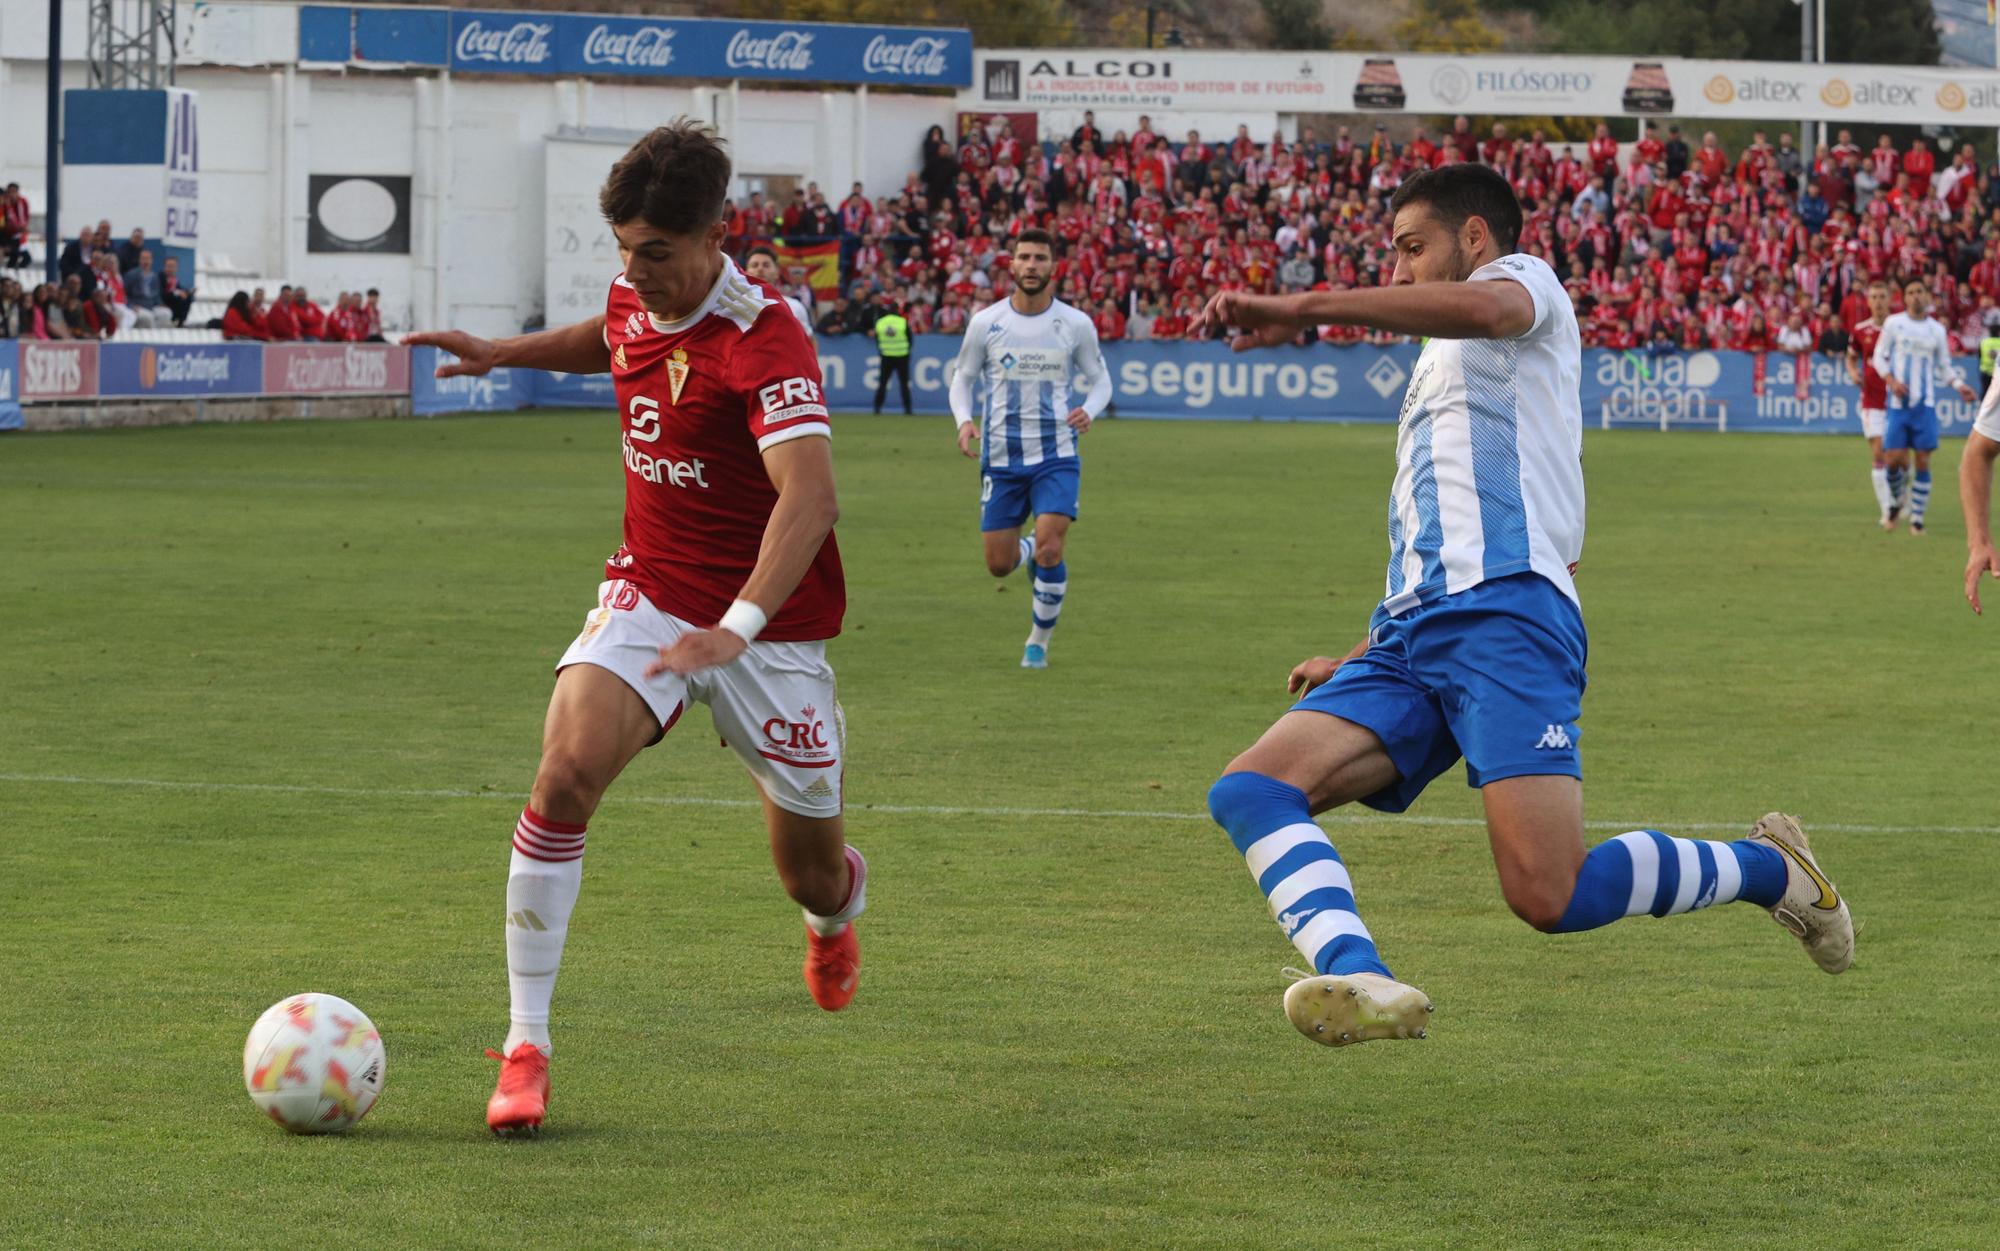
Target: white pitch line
[(939, 810)]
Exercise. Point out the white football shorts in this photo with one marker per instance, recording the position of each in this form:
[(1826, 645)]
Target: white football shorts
[(776, 706), (1874, 422)]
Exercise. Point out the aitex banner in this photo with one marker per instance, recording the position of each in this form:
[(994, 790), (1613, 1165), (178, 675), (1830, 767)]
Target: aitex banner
[(1441, 83), (336, 368)]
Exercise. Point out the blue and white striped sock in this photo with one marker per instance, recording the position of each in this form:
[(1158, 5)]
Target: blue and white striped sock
[(1051, 584), (1027, 554), (1920, 496), (1898, 476), (1298, 870), (1647, 872)]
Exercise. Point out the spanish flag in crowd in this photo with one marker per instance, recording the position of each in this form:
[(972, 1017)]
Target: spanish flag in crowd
[(820, 260)]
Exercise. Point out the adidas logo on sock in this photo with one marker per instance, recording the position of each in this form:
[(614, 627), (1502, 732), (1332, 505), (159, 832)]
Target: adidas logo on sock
[(526, 919)]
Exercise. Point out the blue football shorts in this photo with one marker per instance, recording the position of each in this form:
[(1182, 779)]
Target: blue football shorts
[(1494, 673), (1912, 427), (1009, 496)]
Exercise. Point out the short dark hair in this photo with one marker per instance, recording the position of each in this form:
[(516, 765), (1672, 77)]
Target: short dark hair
[(1464, 190), (764, 249), (1035, 234), (674, 179)]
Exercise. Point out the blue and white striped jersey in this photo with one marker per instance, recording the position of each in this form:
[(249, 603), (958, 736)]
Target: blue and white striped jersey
[(1026, 364), (1489, 453), (1914, 353)]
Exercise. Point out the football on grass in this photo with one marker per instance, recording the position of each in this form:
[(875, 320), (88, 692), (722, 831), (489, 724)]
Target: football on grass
[(314, 1064)]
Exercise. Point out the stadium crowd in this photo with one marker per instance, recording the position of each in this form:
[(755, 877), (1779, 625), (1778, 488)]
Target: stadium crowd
[(107, 289), (1664, 245)]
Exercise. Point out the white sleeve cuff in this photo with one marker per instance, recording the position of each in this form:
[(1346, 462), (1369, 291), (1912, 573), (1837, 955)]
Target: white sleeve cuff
[(771, 440)]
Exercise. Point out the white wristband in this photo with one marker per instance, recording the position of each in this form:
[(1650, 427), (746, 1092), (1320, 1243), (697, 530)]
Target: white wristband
[(744, 619)]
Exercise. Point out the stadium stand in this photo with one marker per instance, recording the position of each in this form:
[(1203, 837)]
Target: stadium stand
[(1669, 243)]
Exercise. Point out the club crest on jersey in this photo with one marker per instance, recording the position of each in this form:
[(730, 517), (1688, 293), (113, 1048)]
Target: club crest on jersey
[(677, 372)]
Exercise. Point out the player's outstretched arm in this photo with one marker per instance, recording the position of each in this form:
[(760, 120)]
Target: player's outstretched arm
[(1439, 310), (802, 471), (1975, 493), (577, 349)]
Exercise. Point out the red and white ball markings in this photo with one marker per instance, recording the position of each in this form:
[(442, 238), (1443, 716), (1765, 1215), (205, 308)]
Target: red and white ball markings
[(314, 1064)]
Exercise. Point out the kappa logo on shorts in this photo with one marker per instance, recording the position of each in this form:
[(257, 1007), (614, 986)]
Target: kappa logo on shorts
[(1555, 738)]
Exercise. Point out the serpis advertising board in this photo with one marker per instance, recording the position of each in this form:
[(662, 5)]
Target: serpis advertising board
[(336, 369)]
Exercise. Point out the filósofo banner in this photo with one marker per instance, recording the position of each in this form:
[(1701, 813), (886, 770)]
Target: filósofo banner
[(150, 369), (1150, 379), (497, 391), (651, 47), (10, 384)]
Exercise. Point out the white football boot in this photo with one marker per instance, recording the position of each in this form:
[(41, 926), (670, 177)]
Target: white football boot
[(1811, 908), (1339, 1009)]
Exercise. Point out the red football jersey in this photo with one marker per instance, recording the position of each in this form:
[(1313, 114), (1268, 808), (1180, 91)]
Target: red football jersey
[(699, 402), (1874, 391)]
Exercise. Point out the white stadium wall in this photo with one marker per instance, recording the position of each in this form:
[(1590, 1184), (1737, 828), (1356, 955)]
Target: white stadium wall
[(473, 148)]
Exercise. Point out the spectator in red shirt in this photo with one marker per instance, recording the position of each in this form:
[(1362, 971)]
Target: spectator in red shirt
[(312, 321), (1710, 159), (371, 315), (1499, 150), (279, 323), (1919, 163), (14, 227), (1461, 140), (239, 321)]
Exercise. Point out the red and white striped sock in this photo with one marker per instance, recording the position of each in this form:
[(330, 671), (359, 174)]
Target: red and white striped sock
[(542, 884)]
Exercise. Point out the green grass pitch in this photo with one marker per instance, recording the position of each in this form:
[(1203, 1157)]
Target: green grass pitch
[(270, 695)]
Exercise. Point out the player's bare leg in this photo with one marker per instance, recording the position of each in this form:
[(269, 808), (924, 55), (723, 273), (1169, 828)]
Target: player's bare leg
[(1888, 510), (596, 724), (1005, 551), (1051, 586), (829, 880), (1535, 825), (1309, 762)]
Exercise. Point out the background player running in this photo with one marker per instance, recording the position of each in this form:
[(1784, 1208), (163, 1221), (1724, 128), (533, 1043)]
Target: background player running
[(1874, 403), (1025, 350), (1911, 354), (726, 587), (1478, 647)]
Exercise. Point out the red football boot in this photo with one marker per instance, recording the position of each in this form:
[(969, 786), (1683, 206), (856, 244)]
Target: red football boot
[(833, 967), (522, 1096)]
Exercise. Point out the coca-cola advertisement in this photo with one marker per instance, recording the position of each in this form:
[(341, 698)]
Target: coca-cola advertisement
[(657, 47)]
